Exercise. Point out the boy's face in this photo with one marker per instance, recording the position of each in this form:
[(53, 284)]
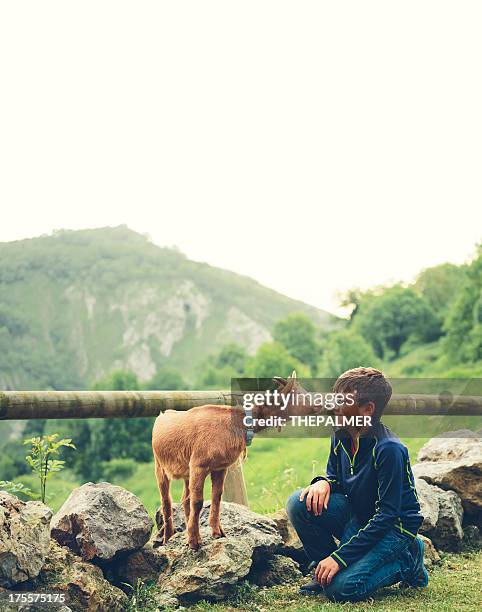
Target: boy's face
[(367, 409)]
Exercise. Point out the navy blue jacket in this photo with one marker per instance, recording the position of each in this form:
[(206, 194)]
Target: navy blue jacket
[(379, 484)]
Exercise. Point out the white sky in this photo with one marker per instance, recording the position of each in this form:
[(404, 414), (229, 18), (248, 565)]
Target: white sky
[(314, 146)]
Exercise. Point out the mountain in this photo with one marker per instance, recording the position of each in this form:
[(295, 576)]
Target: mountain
[(75, 305)]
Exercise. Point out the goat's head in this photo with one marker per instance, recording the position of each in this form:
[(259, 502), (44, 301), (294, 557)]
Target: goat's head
[(299, 401)]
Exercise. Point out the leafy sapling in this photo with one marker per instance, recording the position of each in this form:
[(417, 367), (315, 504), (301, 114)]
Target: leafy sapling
[(40, 458)]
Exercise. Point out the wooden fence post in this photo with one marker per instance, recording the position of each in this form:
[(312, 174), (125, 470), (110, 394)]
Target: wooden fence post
[(234, 485)]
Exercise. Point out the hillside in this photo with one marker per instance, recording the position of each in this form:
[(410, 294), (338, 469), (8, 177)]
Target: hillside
[(77, 304)]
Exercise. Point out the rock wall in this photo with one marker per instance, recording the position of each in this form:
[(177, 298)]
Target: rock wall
[(101, 539)]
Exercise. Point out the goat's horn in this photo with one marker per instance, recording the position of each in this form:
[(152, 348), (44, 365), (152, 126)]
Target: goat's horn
[(293, 374)]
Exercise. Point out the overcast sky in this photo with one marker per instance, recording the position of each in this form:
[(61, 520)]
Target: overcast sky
[(314, 146)]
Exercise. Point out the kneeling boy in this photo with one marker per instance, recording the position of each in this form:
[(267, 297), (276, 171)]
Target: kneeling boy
[(367, 501)]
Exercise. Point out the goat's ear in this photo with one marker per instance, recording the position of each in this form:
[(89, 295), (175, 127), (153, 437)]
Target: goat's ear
[(285, 384), (279, 381)]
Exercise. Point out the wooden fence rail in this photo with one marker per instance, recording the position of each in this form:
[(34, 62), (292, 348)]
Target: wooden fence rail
[(131, 404), (102, 404)]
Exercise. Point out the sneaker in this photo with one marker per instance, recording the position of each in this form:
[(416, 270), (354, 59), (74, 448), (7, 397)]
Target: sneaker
[(312, 588), (419, 577)]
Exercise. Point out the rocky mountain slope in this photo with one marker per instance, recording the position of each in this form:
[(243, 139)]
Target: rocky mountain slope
[(77, 304)]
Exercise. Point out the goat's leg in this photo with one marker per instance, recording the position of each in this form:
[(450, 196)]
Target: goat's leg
[(164, 485), (186, 499), (217, 479), (197, 476)]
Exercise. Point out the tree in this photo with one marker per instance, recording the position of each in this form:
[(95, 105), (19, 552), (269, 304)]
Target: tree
[(119, 380), (211, 377), (217, 370), (272, 359), (232, 356), (463, 324), (440, 285), (352, 299), (166, 379), (388, 320), (297, 333), (345, 350)]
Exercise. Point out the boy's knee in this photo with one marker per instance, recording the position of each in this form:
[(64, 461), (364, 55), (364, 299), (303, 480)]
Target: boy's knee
[(345, 587), (294, 507)]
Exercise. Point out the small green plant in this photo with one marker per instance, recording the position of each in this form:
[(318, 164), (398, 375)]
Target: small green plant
[(40, 458), (143, 597), (243, 593), (16, 487)]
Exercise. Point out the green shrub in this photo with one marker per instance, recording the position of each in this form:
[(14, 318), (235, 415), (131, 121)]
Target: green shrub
[(118, 470)]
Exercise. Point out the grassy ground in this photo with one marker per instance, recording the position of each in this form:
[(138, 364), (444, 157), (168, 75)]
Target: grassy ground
[(454, 585)]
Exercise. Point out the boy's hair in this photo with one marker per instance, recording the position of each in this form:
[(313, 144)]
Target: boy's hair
[(368, 385)]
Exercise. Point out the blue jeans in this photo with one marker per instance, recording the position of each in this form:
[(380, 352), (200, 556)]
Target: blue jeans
[(388, 562)]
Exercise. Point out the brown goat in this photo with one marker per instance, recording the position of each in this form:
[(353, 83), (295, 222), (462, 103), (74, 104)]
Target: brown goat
[(204, 440)]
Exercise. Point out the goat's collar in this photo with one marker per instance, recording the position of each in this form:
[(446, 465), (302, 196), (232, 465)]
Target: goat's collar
[(248, 418)]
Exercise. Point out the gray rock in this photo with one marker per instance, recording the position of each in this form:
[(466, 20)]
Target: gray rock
[(431, 556), (101, 521), (165, 600), (83, 583), (472, 537), (24, 539), (237, 520), (453, 461), (38, 607), (285, 528), (443, 515), (452, 445), (145, 564), (213, 571), (464, 476), (448, 533), (274, 570), (429, 504), (292, 546)]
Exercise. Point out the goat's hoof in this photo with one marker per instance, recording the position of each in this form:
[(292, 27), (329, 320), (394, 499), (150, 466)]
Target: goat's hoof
[(219, 533), (194, 544)]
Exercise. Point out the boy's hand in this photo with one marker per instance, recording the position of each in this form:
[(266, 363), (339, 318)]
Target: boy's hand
[(317, 496), (326, 569)]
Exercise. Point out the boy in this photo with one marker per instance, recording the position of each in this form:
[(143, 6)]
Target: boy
[(367, 500)]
